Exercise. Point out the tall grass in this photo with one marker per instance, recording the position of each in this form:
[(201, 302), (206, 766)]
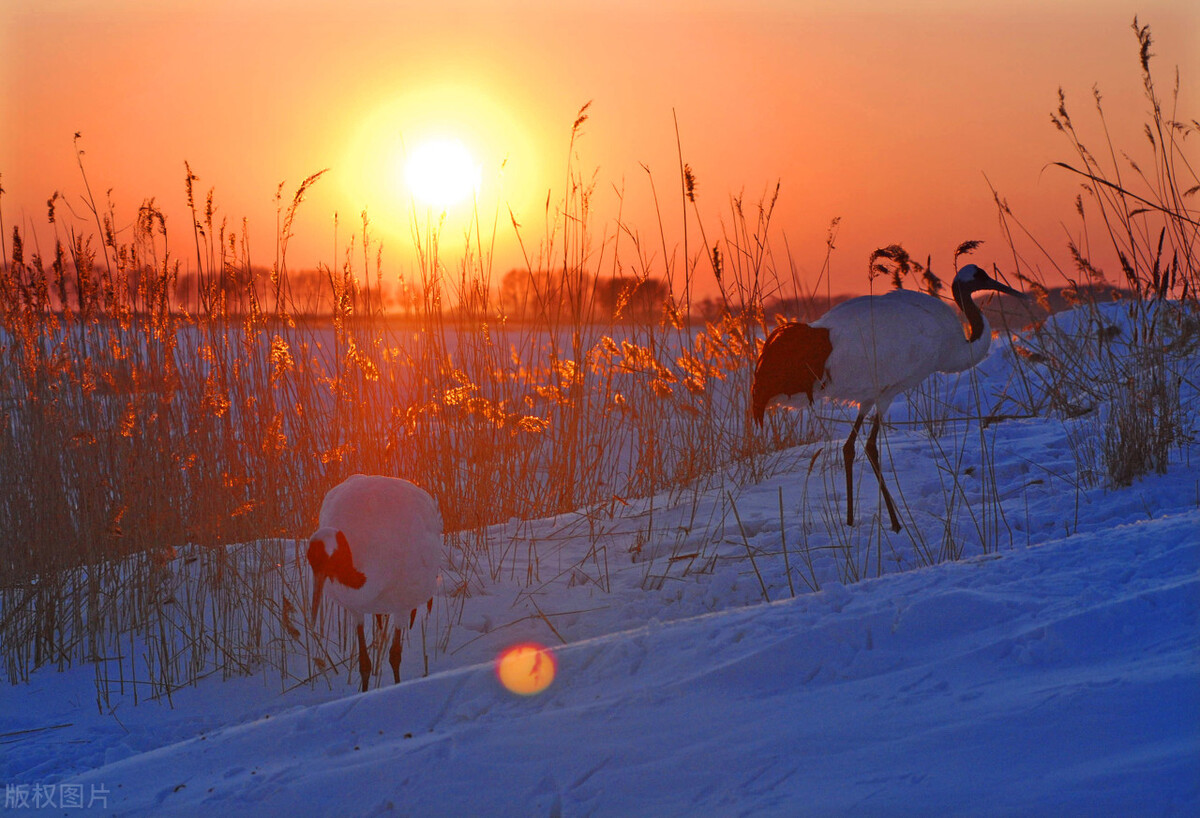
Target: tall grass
[(1128, 365), (148, 425), (143, 420)]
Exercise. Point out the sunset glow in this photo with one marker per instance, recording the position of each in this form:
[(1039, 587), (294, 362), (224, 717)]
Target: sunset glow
[(427, 151), (898, 123)]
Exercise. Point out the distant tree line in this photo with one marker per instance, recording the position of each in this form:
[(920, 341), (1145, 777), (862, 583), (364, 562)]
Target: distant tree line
[(301, 292), (522, 295), (540, 294)]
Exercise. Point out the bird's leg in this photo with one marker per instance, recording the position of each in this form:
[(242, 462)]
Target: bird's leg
[(394, 655), (848, 453), (424, 650), (364, 661), (873, 455)]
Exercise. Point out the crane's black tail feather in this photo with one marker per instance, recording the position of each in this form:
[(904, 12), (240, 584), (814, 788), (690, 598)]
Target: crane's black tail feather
[(792, 361)]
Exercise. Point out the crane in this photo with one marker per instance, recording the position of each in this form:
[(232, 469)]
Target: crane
[(868, 350), (379, 546)]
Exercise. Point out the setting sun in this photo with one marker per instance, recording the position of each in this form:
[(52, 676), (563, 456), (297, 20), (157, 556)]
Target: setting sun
[(441, 172)]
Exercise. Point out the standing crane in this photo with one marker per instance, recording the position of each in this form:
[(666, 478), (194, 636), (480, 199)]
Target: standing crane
[(868, 350), (379, 546)]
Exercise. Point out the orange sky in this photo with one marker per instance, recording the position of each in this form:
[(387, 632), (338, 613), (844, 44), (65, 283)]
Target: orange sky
[(886, 118)]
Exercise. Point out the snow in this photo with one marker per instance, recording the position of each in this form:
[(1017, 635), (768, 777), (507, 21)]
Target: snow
[(1051, 668)]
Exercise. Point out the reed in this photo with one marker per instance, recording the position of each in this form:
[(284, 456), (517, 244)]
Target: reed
[(173, 417), (1121, 362), (161, 404)]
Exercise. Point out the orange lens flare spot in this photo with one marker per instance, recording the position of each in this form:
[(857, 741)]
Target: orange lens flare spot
[(526, 669)]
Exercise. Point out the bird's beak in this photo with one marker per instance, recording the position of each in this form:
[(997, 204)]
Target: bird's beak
[(1004, 288), (318, 587)]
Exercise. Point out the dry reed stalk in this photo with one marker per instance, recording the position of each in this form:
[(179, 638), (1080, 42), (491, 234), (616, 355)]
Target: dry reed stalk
[(153, 410), (157, 408)]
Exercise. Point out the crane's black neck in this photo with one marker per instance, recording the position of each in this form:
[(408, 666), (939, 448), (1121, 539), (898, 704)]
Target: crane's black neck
[(962, 297)]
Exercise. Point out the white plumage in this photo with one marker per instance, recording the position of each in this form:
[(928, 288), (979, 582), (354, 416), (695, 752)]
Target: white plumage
[(870, 349), (378, 548)]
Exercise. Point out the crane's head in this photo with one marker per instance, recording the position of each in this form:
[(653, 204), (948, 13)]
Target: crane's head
[(336, 564), (971, 278)]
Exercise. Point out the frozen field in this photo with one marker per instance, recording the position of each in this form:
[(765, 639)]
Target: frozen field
[(1029, 644)]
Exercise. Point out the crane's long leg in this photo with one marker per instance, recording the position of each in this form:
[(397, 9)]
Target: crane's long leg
[(364, 661), (424, 651), (848, 454), (873, 455), (395, 653)]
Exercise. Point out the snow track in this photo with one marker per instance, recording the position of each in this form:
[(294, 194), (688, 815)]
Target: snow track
[(1061, 679)]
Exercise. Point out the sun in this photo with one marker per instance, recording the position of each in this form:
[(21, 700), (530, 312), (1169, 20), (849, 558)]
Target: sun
[(441, 172), (449, 150)]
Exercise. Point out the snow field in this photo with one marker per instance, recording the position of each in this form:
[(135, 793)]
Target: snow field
[(1029, 644)]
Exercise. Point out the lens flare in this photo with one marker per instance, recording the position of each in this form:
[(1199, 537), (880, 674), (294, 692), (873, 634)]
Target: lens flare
[(526, 669)]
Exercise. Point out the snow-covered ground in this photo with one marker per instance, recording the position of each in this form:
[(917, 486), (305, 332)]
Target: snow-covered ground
[(1051, 668)]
